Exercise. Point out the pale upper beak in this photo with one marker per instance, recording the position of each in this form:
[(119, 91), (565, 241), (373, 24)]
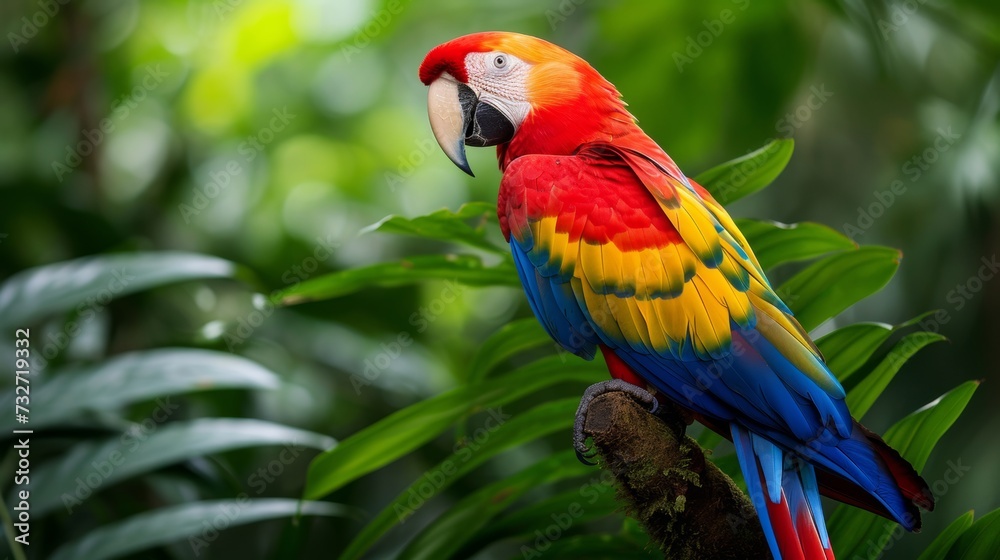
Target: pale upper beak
[(458, 118)]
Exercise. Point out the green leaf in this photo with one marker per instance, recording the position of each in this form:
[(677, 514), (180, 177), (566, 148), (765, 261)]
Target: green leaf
[(979, 542), (93, 466), (775, 243), (89, 283), (445, 225), (746, 175), (506, 434), (465, 269), (509, 340), (847, 349), (854, 531), (538, 517), (916, 435), (451, 530), (174, 523), (139, 376), (834, 283), (943, 542), (408, 429), (861, 398)]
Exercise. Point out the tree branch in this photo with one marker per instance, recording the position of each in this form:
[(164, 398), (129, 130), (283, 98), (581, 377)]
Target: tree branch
[(689, 507)]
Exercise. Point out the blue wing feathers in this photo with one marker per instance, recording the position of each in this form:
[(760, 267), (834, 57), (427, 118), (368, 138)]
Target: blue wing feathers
[(807, 474), (556, 310), (771, 464)]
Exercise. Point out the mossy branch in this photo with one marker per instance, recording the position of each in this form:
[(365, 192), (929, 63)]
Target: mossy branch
[(689, 507)]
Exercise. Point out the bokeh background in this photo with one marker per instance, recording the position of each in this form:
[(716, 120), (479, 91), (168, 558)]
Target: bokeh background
[(260, 131)]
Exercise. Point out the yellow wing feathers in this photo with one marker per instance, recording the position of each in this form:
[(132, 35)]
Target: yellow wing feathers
[(661, 299), (675, 287)]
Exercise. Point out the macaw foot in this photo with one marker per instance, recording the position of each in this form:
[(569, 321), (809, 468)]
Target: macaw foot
[(641, 395)]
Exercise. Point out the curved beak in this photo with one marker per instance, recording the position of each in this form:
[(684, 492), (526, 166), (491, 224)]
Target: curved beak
[(458, 118)]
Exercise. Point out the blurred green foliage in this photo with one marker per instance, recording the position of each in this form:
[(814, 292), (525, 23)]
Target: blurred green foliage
[(270, 133)]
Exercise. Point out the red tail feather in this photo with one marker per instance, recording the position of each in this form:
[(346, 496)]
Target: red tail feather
[(784, 531), (812, 546)]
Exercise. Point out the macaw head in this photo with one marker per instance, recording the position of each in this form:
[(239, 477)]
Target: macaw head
[(497, 88)]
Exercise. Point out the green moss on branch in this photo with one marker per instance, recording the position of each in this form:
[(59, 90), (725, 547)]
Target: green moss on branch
[(689, 507)]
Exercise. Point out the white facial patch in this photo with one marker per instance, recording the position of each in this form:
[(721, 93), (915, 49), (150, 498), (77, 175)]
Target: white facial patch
[(501, 80)]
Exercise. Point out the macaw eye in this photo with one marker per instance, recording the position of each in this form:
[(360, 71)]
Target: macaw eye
[(500, 61)]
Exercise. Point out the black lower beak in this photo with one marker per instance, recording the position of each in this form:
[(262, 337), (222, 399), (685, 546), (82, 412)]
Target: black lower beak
[(484, 124)]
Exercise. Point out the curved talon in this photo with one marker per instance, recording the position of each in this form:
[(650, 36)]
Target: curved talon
[(583, 458), (584, 453)]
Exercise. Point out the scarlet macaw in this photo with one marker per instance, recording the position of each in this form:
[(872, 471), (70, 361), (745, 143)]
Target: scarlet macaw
[(619, 251)]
